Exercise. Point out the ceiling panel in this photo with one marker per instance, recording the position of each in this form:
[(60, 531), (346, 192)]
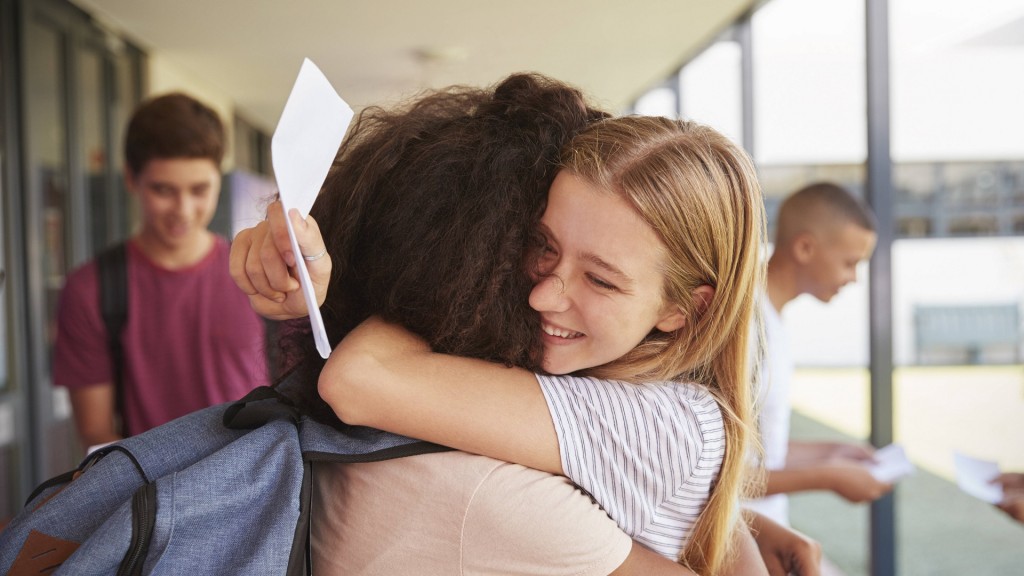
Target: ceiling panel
[(374, 52)]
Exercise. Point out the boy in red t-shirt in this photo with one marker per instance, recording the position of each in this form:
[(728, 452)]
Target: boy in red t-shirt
[(191, 339)]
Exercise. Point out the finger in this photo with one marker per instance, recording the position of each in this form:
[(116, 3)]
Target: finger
[(255, 268), (240, 247), (276, 271), (806, 566), (774, 565), (279, 233), (311, 243), (307, 233)]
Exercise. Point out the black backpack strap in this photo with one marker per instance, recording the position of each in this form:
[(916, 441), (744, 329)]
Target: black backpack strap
[(112, 268), (259, 406)]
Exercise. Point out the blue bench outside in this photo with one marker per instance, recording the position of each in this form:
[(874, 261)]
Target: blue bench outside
[(942, 333)]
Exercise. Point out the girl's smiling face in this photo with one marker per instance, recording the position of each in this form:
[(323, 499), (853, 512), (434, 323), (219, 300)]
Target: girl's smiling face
[(599, 288)]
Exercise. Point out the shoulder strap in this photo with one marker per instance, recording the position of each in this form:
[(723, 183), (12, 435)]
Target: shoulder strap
[(113, 278)]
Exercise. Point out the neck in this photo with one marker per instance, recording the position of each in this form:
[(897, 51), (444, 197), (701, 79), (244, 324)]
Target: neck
[(175, 257), (780, 283)]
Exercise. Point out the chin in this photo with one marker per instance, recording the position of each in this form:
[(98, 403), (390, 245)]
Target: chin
[(555, 368)]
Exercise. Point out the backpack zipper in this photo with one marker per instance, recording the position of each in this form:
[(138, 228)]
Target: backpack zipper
[(143, 520)]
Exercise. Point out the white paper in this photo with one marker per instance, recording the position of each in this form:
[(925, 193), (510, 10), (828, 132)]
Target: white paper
[(975, 476), (302, 149), (891, 464)]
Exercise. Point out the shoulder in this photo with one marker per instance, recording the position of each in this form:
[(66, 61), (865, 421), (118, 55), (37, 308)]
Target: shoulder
[(559, 530), (81, 284), (652, 399)]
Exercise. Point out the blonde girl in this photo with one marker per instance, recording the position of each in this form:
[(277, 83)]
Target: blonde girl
[(645, 284)]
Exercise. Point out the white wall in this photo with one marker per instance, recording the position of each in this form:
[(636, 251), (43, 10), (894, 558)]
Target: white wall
[(166, 76)]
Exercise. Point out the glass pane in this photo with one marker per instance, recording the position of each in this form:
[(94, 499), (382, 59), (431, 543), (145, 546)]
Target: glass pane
[(809, 126), (48, 180), (660, 101), (809, 88), (711, 91), (47, 130), (957, 274), (94, 154), (122, 206)]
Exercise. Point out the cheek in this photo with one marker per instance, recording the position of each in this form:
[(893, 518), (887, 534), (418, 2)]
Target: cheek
[(205, 206), (627, 324), (155, 205)]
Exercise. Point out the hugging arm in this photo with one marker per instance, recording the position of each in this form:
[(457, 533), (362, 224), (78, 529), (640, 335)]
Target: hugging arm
[(383, 376)]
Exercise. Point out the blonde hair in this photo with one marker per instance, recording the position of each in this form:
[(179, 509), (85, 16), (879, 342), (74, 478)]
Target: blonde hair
[(699, 192)]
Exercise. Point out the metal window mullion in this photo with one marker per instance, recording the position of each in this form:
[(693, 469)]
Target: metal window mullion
[(879, 186)]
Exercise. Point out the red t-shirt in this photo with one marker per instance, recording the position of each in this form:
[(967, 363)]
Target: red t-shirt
[(191, 339)]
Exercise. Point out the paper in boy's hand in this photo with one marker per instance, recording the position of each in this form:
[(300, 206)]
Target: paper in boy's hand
[(975, 476), (891, 464), (302, 149)]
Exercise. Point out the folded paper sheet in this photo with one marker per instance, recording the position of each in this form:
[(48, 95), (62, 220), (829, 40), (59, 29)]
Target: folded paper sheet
[(303, 148), (891, 464), (975, 476)]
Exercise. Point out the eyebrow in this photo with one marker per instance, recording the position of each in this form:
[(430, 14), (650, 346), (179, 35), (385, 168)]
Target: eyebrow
[(624, 278)]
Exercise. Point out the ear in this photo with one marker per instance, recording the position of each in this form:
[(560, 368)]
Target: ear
[(674, 318), (804, 246), (129, 180)]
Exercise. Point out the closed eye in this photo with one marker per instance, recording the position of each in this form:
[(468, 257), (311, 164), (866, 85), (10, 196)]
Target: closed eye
[(600, 283)]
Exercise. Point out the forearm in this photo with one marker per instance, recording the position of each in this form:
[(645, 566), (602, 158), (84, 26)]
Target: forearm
[(93, 411), (850, 479), (799, 479), (384, 378), (748, 560)]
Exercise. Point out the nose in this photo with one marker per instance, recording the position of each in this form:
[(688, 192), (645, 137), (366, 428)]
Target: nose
[(183, 203), (549, 295)]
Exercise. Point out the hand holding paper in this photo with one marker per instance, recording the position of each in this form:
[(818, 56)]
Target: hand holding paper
[(891, 464), (975, 476), (303, 148)]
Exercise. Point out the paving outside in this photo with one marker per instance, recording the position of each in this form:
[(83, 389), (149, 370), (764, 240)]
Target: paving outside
[(940, 530)]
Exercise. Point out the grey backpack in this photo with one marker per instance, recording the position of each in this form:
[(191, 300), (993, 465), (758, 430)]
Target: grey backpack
[(224, 490)]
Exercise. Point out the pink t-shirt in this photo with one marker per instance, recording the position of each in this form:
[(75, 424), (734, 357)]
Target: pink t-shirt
[(191, 339), (457, 513)]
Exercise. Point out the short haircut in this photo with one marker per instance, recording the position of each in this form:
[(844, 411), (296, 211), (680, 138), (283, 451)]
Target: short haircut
[(173, 126), (821, 202)]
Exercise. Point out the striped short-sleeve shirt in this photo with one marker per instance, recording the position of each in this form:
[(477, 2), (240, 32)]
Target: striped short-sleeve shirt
[(647, 453)]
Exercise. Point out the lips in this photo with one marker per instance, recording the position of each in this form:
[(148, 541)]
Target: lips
[(557, 332), (177, 229)]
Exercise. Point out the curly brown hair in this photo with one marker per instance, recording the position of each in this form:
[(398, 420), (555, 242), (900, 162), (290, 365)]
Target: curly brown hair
[(428, 212)]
